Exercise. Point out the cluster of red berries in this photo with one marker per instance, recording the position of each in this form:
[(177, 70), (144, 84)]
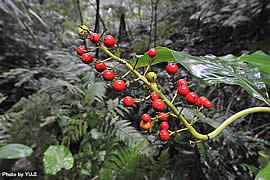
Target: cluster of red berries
[(192, 97), (158, 104), (119, 85), (87, 58)]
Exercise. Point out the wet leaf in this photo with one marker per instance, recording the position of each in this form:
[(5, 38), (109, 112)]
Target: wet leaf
[(264, 174), (258, 59), (15, 151), (163, 55), (57, 157), (211, 70)]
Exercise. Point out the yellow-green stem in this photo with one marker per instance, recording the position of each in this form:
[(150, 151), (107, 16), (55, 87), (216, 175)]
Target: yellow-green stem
[(142, 100), (177, 113), (122, 77), (171, 76), (157, 117), (149, 64), (175, 95), (197, 111), (114, 66), (91, 50), (129, 82), (106, 60)]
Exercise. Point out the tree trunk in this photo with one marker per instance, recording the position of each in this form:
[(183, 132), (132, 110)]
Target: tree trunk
[(122, 33)]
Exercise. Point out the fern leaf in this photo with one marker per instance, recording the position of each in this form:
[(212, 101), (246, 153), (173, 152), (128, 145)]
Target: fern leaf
[(123, 130), (124, 164)]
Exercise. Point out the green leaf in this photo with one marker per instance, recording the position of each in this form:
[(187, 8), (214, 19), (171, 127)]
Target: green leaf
[(264, 174), (57, 157), (211, 70), (85, 172), (15, 151), (163, 55), (258, 59), (90, 95), (101, 155), (214, 70)]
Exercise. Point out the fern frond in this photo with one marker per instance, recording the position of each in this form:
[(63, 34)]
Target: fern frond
[(161, 166), (95, 91), (123, 130), (124, 164), (2, 97), (115, 106), (6, 122), (100, 90)]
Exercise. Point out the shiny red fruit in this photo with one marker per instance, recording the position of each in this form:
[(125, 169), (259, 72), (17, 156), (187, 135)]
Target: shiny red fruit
[(158, 105), (181, 82), (146, 117), (171, 68), (154, 96), (128, 101), (183, 90), (80, 50), (152, 52), (94, 38), (100, 66), (87, 58), (203, 98), (207, 104), (119, 85), (109, 41), (164, 118), (164, 135), (199, 102), (164, 125), (108, 75), (192, 97)]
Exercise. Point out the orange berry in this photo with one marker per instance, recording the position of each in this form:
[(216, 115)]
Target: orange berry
[(145, 125)]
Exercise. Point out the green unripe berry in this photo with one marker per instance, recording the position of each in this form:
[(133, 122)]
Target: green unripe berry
[(151, 77)]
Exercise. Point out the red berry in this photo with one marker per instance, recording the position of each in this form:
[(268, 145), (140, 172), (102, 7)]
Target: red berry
[(203, 98), (100, 66), (158, 105), (152, 52), (108, 41), (119, 85), (87, 58), (192, 97), (108, 75), (181, 82), (146, 117), (80, 50), (164, 118), (128, 101), (94, 38), (164, 135), (183, 90), (207, 104), (199, 102), (164, 125), (154, 96), (171, 68)]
